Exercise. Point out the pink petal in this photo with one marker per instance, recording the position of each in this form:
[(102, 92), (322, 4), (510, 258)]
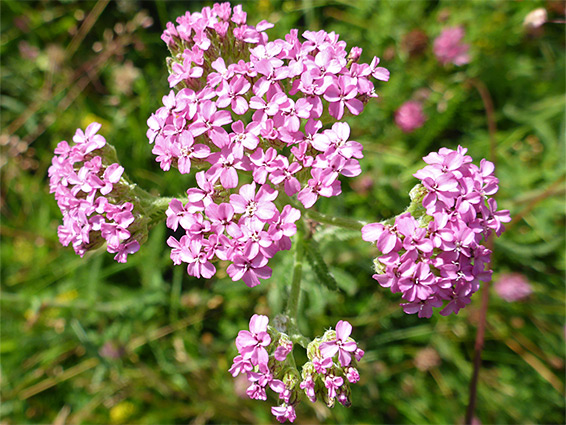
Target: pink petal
[(328, 349), (344, 358), (371, 232), (258, 323), (343, 330), (239, 105)]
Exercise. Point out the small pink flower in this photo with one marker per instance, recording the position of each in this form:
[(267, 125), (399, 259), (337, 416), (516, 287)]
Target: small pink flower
[(321, 365), (343, 93), (281, 352), (249, 270), (251, 344), (88, 140), (240, 365), (341, 345), (308, 385), (284, 412), (332, 383), (259, 205), (352, 375)]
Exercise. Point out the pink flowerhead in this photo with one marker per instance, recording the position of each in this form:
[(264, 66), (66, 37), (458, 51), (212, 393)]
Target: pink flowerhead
[(410, 116), (93, 197), (448, 47), (435, 254), (288, 84)]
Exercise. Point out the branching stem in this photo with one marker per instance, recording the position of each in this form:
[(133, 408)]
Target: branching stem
[(480, 336), (294, 295), (346, 223)]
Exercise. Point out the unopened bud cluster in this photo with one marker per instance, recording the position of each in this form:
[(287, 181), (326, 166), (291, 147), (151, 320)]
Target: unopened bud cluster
[(265, 356)]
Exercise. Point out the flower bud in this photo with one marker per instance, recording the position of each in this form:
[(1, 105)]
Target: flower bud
[(284, 347), (344, 399), (291, 377)]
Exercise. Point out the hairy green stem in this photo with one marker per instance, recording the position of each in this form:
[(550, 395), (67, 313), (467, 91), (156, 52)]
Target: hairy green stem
[(346, 223), (292, 328), (154, 207), (294, 295)]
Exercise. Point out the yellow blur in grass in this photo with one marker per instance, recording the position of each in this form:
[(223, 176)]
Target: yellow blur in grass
[(120, 413)]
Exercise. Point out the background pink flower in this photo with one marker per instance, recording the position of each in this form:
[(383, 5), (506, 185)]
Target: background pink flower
[(410, 116), (513, 287), (448, 47)]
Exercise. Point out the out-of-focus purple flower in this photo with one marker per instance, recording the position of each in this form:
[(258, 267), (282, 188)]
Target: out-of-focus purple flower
[(410, 116), (415, 42), (448, 47), (513, 287), (112, 350)]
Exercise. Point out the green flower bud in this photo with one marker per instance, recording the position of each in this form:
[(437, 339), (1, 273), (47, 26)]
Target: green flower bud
[(313, 350)]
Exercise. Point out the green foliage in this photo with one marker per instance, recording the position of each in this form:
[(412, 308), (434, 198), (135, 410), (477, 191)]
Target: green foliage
[(318, 265), (92, 341)]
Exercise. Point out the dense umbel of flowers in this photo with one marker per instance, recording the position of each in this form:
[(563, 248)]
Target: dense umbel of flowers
[(90, 191), (265, 356), (247, 105), (433, 253)]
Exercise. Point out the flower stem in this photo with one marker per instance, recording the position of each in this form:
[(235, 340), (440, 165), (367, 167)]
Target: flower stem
[(346, 223), (294, 295), (154, 207), (292, 328), (480, 335)]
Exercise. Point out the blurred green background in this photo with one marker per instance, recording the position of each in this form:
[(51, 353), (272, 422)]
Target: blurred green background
[(92, 341)]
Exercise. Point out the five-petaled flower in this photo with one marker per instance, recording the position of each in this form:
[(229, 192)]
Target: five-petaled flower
[(343, 345)]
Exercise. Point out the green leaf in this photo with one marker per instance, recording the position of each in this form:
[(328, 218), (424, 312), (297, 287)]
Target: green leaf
[(319, 266)]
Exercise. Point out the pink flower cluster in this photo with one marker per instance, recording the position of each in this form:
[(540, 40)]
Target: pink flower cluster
[(332, 366), (261, 368), (448, 47), (410, 116), (435, 254), (265, 356), (88, 191), (273, 96), (247, 230)]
